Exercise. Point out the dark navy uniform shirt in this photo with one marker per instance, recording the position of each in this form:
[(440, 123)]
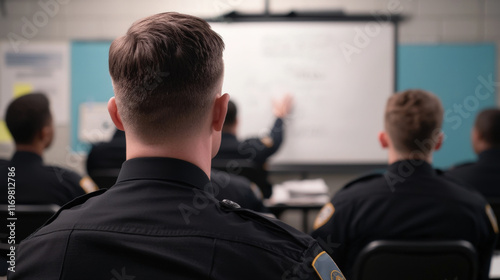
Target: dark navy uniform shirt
[(237, 189), (37, 183), (106, 155), (483, 175), (111, 155), (410, 201), (253, 152), (158, 222), (257, 150)]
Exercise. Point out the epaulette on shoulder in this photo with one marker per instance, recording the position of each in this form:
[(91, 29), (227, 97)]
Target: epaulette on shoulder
[(363, 178), (265, 220), (75, 202)]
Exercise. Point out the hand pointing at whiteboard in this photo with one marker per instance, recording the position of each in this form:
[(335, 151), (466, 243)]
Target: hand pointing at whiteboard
[(283, 106)]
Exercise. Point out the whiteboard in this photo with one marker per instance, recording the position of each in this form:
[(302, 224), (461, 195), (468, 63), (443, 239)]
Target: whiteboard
[(339, 98)]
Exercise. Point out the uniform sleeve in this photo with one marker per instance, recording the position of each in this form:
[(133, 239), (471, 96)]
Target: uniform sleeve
[(315, 264), (266, 146), (331, 231), (70, 182), (254, 203), (489, 233)]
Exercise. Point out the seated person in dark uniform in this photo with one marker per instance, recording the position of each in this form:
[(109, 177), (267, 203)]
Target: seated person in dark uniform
[(157, 221), (109, 157), (105, 160), (255, 151), (411, 200), (236, 188), (483, 175), (29, 121)]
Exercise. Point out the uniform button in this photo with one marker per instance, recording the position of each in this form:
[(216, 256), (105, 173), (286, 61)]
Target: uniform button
[(229, 204)]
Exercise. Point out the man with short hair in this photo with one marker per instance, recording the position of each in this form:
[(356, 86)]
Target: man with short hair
[(29, 121), (411, 200), (159, 221), (484, 174)]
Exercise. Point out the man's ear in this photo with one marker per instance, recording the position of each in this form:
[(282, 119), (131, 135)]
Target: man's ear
[(219, 111), (113, 113), (439, 141), (46, 135), (383, 139)]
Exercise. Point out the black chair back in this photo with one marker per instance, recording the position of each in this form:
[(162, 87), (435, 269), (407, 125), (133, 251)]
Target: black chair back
[(29, 219), (412, 260)]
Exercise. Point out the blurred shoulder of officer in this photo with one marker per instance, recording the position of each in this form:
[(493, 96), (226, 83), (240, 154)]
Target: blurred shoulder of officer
[(238, 189), (105, 155), (30, 123), (484, 174), (159, 221), (105, 160), (411, 200)]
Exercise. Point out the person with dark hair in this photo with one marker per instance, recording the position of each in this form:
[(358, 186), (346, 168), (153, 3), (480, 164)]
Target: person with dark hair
[(411, 200), (29, 121), (254, 151), (160, 220), (484, 174)]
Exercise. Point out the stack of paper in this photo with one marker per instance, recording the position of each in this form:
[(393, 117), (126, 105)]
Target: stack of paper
[(300, 192)]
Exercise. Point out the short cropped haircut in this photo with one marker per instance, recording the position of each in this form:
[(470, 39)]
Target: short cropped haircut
[(26, 116), (488, 126), (165, 71), (232, 111), (413, 119)]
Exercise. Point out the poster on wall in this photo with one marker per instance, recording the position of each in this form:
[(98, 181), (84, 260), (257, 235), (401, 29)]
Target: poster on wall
[(35, 67)]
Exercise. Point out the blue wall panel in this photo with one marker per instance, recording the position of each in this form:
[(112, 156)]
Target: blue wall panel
[(90, 82), (457, 74)]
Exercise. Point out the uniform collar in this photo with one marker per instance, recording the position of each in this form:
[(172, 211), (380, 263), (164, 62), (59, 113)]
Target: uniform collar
[(491, 155), (23, 156), (161, 168), (410, 167)]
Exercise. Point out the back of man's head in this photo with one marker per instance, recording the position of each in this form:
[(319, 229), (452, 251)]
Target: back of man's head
[(487, 127), (166, 72), (26, 116), (413, 119)]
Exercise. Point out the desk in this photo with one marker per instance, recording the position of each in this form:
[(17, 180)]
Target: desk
[(495, 266)]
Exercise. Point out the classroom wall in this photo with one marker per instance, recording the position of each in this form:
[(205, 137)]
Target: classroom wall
[(429, 21)]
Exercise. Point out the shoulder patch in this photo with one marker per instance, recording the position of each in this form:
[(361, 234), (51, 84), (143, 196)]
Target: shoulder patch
[(326, 268), (493, 219), (267, 141), (324, 215), (363, 178)]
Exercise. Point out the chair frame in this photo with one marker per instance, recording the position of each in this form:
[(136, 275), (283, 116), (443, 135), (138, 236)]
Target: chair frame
[(459, 247)]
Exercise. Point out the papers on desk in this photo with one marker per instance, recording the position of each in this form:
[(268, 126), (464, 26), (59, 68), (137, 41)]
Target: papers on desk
[(299, 192), (495, 265)]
